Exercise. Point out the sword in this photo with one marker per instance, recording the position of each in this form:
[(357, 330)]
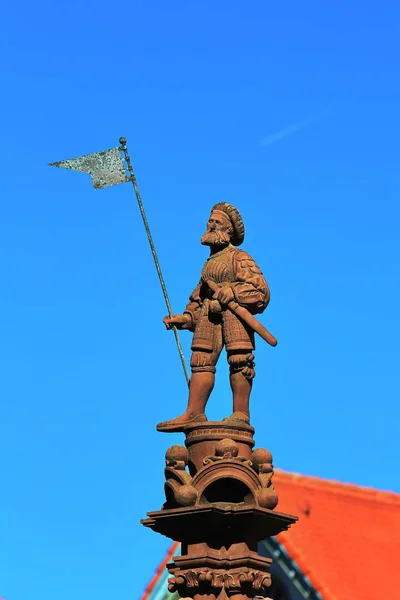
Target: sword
[(246, 316)]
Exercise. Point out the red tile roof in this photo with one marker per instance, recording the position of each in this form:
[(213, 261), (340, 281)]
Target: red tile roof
[(347, 539)]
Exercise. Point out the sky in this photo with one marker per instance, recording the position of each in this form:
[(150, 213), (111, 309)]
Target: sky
[(289, 111)]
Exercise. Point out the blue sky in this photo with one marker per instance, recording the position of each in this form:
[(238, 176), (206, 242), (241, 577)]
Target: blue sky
[(288, 111)]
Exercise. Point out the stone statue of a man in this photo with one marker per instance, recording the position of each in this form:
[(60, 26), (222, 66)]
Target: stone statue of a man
[(239, 279)]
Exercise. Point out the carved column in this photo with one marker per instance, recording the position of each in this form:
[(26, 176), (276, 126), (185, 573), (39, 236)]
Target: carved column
[(220, 503)]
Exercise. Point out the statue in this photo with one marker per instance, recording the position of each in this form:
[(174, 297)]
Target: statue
[(219, 494), (229, 277)]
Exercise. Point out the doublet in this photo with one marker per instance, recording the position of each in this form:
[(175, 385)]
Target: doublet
[(214, 327)]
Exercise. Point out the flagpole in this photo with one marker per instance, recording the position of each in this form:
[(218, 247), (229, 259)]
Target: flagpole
[(123, 148)]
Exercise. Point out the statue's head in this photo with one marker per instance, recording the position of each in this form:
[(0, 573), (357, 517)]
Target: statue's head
[(225, 226)]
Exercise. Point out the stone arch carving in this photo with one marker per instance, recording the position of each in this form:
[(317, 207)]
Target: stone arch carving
[(226, 481)]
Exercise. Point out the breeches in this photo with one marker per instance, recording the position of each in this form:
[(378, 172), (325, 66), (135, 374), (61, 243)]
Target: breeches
[(212, 332)]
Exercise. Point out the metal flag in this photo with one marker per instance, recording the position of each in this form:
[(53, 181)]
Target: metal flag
[(105, 168)]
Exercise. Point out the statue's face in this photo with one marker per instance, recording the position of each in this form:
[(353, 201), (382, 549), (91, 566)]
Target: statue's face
[(218, 232)]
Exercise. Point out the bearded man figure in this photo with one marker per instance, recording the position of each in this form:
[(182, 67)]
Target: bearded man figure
[(214, 326)]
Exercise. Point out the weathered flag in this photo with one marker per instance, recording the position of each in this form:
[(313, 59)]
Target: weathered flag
[(105, 168)]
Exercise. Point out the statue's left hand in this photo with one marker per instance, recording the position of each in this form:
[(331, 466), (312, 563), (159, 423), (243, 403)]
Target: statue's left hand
[(224, 295)]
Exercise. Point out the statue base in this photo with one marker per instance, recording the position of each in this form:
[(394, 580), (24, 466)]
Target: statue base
[(201, 439), (219, 511)]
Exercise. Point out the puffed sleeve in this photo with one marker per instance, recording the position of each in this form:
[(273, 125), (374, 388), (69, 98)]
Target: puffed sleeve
[(250, 288)]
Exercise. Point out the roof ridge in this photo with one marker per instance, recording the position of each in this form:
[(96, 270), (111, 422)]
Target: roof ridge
[(332, 485)]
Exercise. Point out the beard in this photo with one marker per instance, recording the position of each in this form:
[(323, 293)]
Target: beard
[(216, 238)]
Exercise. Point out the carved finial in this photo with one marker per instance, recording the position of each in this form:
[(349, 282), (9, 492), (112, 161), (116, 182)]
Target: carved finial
[(227, 448), (186, 495), (177, 456), (262, 462)]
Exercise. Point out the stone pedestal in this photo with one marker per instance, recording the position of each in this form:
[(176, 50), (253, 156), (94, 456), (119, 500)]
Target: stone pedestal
[(219, 509)]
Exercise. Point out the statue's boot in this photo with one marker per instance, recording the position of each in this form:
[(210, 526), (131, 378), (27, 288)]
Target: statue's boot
[(241, 388), (238, 416), (178, 424), (200, 388)]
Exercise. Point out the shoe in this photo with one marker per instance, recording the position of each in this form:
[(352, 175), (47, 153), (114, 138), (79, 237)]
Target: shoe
[(238, 416), (176, 425)]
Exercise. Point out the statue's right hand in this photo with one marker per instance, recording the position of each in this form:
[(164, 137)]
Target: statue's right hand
[(179, 321)]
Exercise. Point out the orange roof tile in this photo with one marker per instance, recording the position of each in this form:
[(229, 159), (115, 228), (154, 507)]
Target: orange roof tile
[(347, 538)]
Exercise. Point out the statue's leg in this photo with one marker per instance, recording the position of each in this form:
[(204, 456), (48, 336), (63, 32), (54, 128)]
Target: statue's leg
[(242, 373), (202, 364)]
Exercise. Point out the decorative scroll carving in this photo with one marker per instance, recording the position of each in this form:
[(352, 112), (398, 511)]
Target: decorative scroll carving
[(212, 581)]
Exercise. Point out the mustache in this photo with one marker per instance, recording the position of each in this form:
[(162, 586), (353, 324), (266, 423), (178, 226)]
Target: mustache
[(215, 238)]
